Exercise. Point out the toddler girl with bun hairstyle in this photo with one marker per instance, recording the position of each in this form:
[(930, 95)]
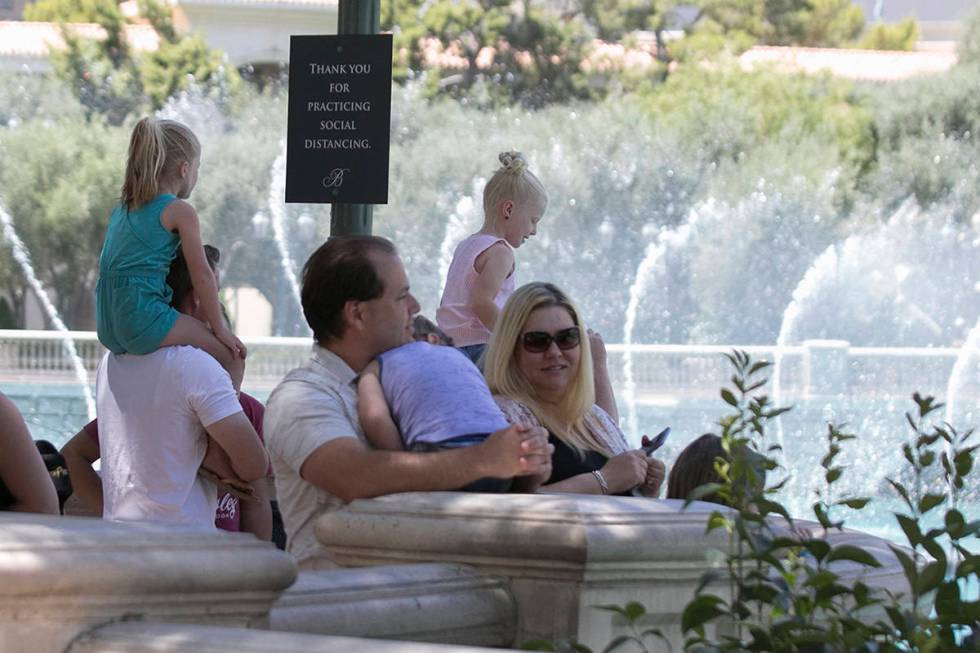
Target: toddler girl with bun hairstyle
[(152, 219), (481, 275)]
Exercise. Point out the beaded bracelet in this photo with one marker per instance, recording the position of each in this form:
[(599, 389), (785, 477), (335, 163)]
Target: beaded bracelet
[(601, 480)]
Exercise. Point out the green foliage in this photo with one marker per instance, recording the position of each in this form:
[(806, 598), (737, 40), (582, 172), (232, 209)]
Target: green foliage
[(900, 36), (60, 181), (968, 50), (784, 591), (831, 23), (109, 78)]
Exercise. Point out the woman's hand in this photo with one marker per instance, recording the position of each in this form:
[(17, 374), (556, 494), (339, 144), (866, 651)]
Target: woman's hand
[(598, 350), (656, 473), (625, 471)]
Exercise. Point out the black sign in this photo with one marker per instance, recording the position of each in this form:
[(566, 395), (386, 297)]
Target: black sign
[(339, 119)]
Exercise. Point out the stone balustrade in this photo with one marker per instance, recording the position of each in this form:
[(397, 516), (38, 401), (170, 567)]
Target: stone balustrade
[(445, 603), (562, 555), (180, 638), (62, 576), (444, 570)]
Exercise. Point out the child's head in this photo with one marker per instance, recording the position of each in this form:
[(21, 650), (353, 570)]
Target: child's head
[(514, 200), (695, 466), (426, 330), (160, 152)]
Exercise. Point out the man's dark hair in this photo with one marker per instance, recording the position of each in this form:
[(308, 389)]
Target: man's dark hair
[(340, 271), (179, 277)]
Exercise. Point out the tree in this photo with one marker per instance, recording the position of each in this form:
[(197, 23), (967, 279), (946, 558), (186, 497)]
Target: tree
[(107, 76), (900, 36)]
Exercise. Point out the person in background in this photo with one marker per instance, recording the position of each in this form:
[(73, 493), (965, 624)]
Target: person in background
[(25, 485), (426, 396), (156, 412), (82, 450), (481, 275), (539, 367), (356, 299)]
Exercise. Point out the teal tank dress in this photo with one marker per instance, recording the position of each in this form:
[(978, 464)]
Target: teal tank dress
[(132, 298)]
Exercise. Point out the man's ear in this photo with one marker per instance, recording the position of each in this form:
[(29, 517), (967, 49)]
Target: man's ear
[(353, 314), (433, 339)]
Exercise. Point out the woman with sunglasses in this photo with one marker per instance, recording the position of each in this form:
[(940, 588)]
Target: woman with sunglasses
[(539, 367)]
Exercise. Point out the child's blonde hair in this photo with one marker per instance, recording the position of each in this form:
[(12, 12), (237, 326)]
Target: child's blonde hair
[(574, 424), (512, 181), (156, 149)]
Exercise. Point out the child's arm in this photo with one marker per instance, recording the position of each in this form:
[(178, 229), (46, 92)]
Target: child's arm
[(80, 453), (181, 216), (492, 267), (257, 513), (372, 409)]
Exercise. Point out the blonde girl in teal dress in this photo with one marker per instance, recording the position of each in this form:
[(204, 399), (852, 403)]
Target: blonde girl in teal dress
[(152, 219)]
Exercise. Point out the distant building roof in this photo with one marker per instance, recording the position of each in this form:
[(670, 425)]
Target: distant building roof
[(35, 40), (873, 65)]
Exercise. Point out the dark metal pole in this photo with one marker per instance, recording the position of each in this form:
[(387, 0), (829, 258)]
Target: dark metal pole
[(355, 17)]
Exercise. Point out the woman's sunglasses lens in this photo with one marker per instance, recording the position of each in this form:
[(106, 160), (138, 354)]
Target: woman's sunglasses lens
[(537, 341), (567, 339)]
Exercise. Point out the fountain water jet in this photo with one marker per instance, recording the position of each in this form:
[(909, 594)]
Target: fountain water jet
[(459, 225), (24, 260), (968, 353), (668, 239), (277, 190)]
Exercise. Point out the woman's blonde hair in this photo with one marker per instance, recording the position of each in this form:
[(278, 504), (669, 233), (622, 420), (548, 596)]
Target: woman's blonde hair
[(512, 181), (156, 150), (572, 421)]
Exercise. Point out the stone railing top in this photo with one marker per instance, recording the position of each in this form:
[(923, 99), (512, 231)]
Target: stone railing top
[(570, 528), (41, 554)]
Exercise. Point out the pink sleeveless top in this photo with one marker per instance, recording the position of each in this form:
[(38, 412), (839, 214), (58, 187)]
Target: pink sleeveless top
[(455, 315)]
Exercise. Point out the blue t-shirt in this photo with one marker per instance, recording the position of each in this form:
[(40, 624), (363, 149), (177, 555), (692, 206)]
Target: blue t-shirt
[(435, 393)]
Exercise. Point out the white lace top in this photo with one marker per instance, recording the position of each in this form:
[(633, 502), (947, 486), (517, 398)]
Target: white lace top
[(603, 426)]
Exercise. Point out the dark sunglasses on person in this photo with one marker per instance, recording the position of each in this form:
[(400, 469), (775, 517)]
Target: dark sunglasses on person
[(537, 342)]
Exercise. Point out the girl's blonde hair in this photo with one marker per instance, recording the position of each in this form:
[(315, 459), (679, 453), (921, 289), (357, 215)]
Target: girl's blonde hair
[(572, 421), (156, 150), (512, 181)]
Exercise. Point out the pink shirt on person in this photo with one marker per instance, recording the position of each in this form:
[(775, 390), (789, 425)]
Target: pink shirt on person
[(455, 315)]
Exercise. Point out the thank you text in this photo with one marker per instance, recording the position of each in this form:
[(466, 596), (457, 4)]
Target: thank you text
[(339, 119)]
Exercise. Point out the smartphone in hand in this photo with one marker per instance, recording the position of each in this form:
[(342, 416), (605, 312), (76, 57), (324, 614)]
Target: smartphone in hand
[(657, 442)]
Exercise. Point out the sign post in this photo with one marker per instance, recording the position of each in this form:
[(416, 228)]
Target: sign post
[(355, 17), (339, 123)]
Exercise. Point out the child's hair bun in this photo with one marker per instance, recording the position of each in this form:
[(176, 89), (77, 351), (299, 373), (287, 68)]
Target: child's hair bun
[(512, 162)]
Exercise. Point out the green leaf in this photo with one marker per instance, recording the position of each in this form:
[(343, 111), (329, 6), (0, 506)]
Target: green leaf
[(930, 501), (611, 607), (930, 577), (902, 492), (705, 490), (616, 643), (948, 599), (911, 529), (758, 365), (955, 524), (819, 549), (857, 503), (701, 610), (729, 398), (911, 571), (833, 474), (634, 611), (854, 554)]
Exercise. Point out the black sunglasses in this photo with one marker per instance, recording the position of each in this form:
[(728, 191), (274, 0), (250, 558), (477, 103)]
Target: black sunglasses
[(536, 342)]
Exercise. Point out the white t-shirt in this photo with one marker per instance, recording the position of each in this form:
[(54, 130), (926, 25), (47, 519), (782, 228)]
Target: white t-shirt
[(312, 405), (153, 410)]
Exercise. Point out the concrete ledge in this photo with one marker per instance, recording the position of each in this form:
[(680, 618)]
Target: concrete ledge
[(135, 637), (62, 575), (422, 603), (563, 555)]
